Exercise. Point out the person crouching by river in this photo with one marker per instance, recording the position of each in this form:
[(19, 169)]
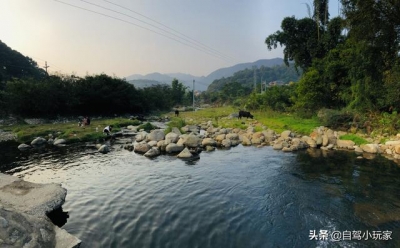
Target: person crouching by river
[(107, 130)]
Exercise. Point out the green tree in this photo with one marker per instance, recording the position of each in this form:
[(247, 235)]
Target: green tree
[(177, 91)]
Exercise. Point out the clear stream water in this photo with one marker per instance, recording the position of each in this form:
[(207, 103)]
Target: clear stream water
[(242, 197)]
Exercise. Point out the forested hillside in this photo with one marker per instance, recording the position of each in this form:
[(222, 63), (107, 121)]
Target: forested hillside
[(263, 74), (14, 64)]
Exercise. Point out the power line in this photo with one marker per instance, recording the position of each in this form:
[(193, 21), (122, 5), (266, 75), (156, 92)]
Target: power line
[(131, 23), (159, 23), (168, 32)]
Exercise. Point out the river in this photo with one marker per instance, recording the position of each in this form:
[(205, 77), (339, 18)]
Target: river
[(242, 197)]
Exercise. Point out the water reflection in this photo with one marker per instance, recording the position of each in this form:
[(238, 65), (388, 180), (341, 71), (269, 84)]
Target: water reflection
[(241, 197)]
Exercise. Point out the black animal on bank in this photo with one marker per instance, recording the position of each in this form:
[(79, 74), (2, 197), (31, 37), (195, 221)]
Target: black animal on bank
[(245, 114)]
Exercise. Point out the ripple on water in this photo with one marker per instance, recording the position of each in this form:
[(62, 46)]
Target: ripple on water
[(242, 197)]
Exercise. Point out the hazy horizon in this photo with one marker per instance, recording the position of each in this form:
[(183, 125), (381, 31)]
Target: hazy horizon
[(114, 37)]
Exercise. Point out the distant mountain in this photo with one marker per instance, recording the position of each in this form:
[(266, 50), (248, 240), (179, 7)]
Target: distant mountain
[(185, 79), (143, 83), (202, 83), (275, 75), (229, 71)]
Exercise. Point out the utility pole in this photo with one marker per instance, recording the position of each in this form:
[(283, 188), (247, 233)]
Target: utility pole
[(261, 91), (193, 96), (46, 66), (255, 83)]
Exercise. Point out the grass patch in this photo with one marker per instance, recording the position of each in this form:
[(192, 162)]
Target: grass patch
[(69, 131), (357, 139), (147, 127), (273, 120), (175, 122)]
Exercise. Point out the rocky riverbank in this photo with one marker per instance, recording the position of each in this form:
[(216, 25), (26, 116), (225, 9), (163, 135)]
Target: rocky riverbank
[(24, 207), (205, 137)]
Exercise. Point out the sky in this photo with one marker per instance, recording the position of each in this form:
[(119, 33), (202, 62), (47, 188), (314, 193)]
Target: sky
[(125, 37)]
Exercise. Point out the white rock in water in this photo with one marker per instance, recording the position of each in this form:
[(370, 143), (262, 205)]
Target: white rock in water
[(185, 154), (104, 149), (24, 147), (38, 141)]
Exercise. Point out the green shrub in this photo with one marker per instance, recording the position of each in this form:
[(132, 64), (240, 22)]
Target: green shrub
[(175, 122), (335, 118), (147, 127)]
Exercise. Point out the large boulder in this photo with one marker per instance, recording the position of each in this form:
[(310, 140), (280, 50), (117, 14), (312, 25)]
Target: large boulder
[(171, 138), (208, 142), (220, 138), (191, 140), (232, 136), (38, 141), (141, 148), (397, 149), (153, 152), (226, 143), (23, 210), (246, 141), (185, 154), (348, 144), (176, 130), (104, 149), (286, 134), (174, 148), (156, 135), (141, 136), (59, 142), (392, 142), (370, 148), (24, 147)]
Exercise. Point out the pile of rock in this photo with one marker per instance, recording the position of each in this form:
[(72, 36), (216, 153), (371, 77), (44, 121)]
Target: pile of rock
[(205, 137), (40, 142)]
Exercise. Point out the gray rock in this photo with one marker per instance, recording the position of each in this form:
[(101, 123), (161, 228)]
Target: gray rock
[(156, 135), (232, 136), (38, 141), (191, 140), (287, 149), (210, 148), (226, 143), (370, 148), (141, 148), (176, 130), (24, 147), (208, 142), (278, 146), (348, 144), (171, 138), (152, 143), (59, 142), (153, 152), (246, 141), (104, 149), (174, 148), (185, 154), (286, 134)]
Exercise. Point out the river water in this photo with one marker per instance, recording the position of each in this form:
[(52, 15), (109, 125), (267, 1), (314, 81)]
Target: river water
[(242, 197)]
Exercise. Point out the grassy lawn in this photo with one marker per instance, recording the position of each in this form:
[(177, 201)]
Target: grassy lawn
[(219, 116), (273, 120), (69, 131)]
